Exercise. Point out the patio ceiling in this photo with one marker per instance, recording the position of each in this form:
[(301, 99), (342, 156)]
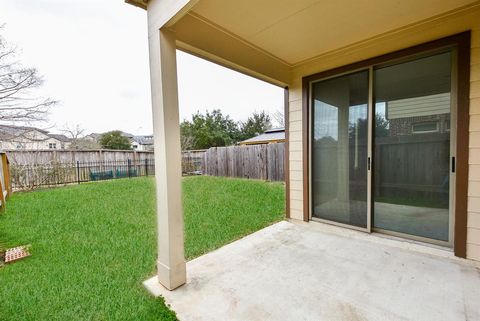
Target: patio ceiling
[(294, 31), (269, 39)]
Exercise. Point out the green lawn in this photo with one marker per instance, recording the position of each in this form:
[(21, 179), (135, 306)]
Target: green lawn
[(93, 244)]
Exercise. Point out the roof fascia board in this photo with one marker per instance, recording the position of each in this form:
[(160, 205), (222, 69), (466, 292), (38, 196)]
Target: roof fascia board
[(165, 13), (138, 3)]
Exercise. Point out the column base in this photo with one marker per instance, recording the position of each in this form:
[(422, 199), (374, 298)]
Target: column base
[(172, 277)]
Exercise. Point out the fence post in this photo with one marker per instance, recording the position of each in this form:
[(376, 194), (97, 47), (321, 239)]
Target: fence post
[(128, 164), (78, 172), (100, 154), (146, 166)]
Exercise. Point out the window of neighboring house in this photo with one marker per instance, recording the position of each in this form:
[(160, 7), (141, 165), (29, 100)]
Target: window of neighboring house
[(447, 125), (52, 146), (425, 127), (20, 146)]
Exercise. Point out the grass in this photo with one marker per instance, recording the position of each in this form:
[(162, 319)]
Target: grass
[(93, 244)]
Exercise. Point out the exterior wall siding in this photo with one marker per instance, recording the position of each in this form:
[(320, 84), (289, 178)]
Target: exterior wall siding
[(399, 39), (473, 221), (295, 152)]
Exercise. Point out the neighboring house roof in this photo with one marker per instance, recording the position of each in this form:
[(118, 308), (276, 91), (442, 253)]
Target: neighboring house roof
[(60, 137), (9, 132), (144, 140), (275, 135), (128, 135), (93, 136)]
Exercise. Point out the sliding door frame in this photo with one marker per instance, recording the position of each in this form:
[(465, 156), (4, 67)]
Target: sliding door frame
[(461, 43)]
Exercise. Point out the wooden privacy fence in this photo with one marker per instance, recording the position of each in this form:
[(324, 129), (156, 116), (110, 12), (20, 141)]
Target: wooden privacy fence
[(413, 167), (37, 157), (193, 161), (32, 176), (32, 169), (266, 161)]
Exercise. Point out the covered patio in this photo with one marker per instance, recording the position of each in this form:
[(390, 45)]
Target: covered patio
[(343, 275), (304, 270)]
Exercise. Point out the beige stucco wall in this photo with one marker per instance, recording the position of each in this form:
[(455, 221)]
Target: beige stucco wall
[(424, 31)]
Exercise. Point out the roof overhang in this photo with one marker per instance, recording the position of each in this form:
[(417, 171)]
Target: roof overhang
[(138, 3), (276, 40), (294, 32)]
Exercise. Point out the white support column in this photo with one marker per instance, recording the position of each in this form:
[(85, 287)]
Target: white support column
[(163, 74)]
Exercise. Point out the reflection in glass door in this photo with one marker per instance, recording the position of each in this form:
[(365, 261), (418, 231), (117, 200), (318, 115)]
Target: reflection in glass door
[(412, 147), (409, 139), (339, 149)]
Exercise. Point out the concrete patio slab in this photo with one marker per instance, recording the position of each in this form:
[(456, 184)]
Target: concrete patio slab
[(319, 272)]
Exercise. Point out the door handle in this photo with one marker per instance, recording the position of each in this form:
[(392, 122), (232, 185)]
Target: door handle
[(453, 164), (368, 163)]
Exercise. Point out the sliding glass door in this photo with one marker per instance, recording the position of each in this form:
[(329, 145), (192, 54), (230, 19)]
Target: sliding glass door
[(339, 149), (390, 171), (412, 147)]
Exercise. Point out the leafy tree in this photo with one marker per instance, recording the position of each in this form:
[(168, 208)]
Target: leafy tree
[(115, 140), (381, 127), (186, 135), (210, 130), (255, 125)]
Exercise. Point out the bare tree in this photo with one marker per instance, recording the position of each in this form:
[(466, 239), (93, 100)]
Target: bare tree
[(78, 141), (85, 143), (74, 133), (279, 118), (18, 100)]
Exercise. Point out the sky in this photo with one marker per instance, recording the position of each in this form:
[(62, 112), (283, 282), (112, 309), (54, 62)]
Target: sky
[(93, 56)]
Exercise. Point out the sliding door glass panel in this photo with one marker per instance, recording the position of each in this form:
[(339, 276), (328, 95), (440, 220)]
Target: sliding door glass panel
[(339, 149), (412, 147)]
